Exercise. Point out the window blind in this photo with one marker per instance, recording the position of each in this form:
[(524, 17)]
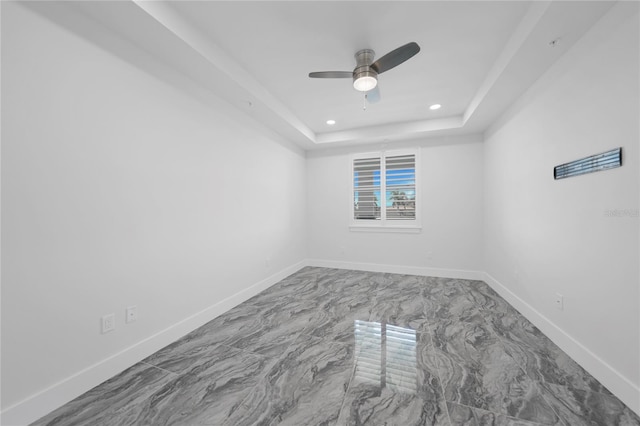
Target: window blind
[(384, 191), (400, 191), (366, 188)]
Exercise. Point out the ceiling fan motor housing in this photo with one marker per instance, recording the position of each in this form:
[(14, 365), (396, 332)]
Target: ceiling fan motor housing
[(364, 77)]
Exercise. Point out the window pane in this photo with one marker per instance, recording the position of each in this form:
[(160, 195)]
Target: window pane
[(401, 187), (366, 188)]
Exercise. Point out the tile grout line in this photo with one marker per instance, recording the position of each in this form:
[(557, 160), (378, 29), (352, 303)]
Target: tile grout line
[(353, 371), (260, 378), (346, 391), (433, 347), (352, 375), (161, 369), (529, 422)]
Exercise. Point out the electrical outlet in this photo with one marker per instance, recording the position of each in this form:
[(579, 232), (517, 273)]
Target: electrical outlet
[(559, 302), (108, 323), (131, 314)]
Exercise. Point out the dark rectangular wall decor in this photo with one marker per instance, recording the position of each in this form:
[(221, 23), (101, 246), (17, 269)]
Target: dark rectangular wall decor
[(593, 163)]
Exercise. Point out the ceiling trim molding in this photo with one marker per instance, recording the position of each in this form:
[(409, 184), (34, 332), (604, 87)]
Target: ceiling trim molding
[(527, 25), (218, 58), (390, 132), (160, 29)]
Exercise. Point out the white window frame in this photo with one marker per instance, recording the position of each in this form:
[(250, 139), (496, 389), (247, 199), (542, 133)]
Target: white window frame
[(383, 224)]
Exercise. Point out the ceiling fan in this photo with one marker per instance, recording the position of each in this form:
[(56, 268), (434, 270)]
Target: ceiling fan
[(365, 74)]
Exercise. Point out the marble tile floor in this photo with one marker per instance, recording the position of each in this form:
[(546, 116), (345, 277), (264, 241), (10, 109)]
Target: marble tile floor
[(339, 347)]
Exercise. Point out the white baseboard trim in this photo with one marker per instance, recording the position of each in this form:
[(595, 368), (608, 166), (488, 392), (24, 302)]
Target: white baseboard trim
[(619, 385), (398, 269), (47, 400), (623, 388)]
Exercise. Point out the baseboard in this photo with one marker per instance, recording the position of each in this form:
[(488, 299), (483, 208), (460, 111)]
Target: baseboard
[(619, 385), (628, 392), (47, 400), (398, 269)]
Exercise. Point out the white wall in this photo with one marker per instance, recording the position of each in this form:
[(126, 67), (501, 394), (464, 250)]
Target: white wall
[(544, 237), (451, 193), (119, 189)]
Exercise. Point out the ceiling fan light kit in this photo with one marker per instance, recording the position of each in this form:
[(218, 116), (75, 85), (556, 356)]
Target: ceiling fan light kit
[(364, 83)]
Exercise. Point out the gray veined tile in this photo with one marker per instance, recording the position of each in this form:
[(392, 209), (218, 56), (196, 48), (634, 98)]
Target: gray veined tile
[(588, 408), (306, 386), (399, 283), (487, 300), (542, 359), (335, 321), (406, 313), (259, 326), (506, 391), (354, 282), (394, 381), (191, 348), (461, 415), (272, 336), (449, 301), (274, 326), (402, 305), (118, 401), (444, 289), (371, 405), (208, 393), (344, 282), (477, 371), (467, 339)]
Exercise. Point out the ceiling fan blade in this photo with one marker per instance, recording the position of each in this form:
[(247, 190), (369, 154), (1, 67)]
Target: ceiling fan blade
[(373, 95), (331, 74), (395, 57)]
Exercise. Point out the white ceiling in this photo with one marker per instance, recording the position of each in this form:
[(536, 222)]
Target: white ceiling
[(476, 58), (280, 43)]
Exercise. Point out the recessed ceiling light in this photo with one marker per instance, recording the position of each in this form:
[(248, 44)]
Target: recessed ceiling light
[(331, 122), (435, 106)]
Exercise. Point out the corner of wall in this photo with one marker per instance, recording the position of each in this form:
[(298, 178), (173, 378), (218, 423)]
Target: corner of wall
[(47, 400), (619, 385)]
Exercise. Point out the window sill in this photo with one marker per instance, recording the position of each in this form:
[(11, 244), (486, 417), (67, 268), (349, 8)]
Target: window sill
[(386, 229)]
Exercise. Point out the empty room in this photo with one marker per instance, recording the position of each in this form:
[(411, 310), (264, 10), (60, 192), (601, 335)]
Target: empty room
[(320, 213)]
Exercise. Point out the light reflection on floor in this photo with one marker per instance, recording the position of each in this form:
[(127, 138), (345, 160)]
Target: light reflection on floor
[(385, 355)]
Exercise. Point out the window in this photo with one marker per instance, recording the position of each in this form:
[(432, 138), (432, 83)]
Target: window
[(384, 190)]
